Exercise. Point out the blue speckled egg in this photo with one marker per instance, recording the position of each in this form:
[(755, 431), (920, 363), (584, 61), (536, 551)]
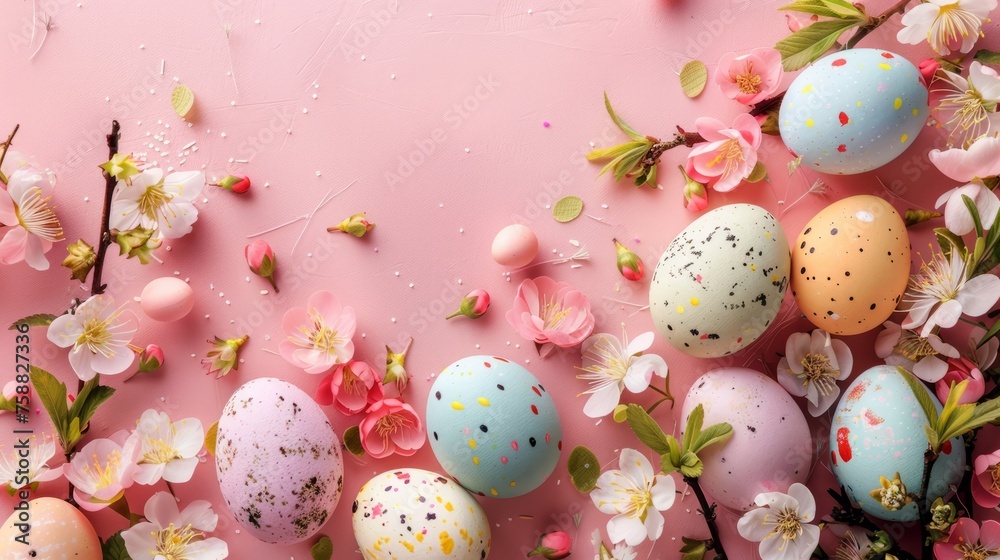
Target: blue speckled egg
[(720, 283), (878, 430), (853, 111), (493, 427)]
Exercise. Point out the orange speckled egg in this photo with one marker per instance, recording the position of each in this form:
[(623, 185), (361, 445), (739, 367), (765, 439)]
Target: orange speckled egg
[(58, 530), (850, 265)]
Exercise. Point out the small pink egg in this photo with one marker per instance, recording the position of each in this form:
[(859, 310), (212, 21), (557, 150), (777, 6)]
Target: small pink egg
[(167, 299), (515, 246)]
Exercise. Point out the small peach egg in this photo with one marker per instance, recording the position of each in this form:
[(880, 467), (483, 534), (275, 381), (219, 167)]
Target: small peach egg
[(167, 299), (57, 530), (515, 246)]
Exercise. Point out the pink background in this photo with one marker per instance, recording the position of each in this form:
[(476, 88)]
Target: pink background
[(341, 93)]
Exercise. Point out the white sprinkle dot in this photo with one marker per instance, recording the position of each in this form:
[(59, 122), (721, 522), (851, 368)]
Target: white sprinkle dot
[(256, 21), (461, 230), (411, 284), (318, 173), (223, 134), (393, 319), (477, 347), (304, 110), (141, 47)]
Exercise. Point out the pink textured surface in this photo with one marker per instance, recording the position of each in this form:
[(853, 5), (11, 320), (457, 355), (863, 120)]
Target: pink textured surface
[(459, 89)]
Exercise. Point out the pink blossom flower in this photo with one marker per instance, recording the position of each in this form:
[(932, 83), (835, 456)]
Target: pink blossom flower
[(319, 335), (960, 369), (966, 535), (391, 426), (750, 78), (957, 216), (31, 223), (812, 365), (947, 25), (928, 69), (101, 471), (695, 195), (942, 292), (172, 533), (728, 155), (926, 356), (986, 482), (978, 161), (351, 388), (550, 312)]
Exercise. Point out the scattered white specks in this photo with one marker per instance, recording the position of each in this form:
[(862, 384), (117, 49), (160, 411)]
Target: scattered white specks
[(430, 14), (411, 284), (169, 248), (477, 347), (315, 96), (152, 91), (318, 173), (517, 346), (86, 199), (467, 150), (459, 281), (256, 22), (605, 206), (177, 273), (309, 255), (207, 315), (211, 287), (554, 251), (142, 47), (263, 292), (396, 273), (267, 337), (222, 134), (392, 77), (508, 343), (267, 185), (530, 11), (222, 294), (548, 206), (163, 65), (461, 230), (364, 335), (393, 319), (233, 103), (574, 242), (598, 423), (575, 265), (194, 355), (591, 144), (205, 200), (304, 110)]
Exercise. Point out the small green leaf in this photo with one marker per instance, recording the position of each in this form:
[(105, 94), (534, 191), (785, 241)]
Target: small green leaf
[(716, 433), (621, 410), (584, 470), (11, 405), (631, 161), (212, 437), (90, 398), (695, 420), (758, 173), (916, 216), (827, 8), (73, 433), (647, 430), (671, 461), (323, 549), (631, 132), (948, 241), (625, 151), (971, 206), (52, 393), (923, 397), (604, 554), (567, 209), (352, 441), (691, 466), (812, 42), (986, 337), (37, 320), (693, 549), (694, 76), (612, 152), (987, 56), (114, 548)]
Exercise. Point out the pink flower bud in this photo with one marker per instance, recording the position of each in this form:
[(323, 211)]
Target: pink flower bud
[(553, 546), (629, 264), (928, 69), (961, 369), (261, 260), (798, 21), (151, 358), (695, 195), (236, 184), (473, 305)]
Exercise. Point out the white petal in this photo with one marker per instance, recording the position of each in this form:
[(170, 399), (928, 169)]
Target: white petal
[(641, 371), (807, 503), (161, 510), (184, 185), (753, 525), (199, 515), (208, 549), (624, 529), (664, 492), (653, 524), (603, 401), (179, 470), (64, 331), (640, 343), (636, 466), (978, 295), (845, 360)]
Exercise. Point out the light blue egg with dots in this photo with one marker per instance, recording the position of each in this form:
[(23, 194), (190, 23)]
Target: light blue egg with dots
[(878, 431), (853, 111), (493, 427)]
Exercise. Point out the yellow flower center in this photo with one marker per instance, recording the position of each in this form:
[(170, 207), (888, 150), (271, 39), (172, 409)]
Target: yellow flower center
[(914, 347), (553, 314), (172, 541), (816, 369), (34, 215), (995, 477), (786, 524), (390, 424), (353, 383), (749, 82), (730, 154), (638, 502), (158, 451), (975, 551), (96, 335), (152, 200), (322, 337), (104, 475)]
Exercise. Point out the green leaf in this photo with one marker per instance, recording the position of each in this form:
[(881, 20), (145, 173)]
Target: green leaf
[(987, 56), (90, 398), (812, 42), (695, 420), (630, 161), (567, 209), (671, 461), (693, 549), (827, 8), (352, 441), (604, 554), (948, 241), (73, 433), (584, 470), (612, 152), (989, 334), (646, 429), (11, 406), (52, 393), (716, 433), (631, 132), (923, 397), (694, 76), (633, 147), (691, 466), (37, 320), (212, 437), (114, 548), (971, 205), (323, 549), (758, 173), (917, 216)]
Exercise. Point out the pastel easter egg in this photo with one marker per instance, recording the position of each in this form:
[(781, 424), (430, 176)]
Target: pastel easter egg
[(851, 264), (493, 426), (720, 282), (853, 111), (515, 246), (278, 461), (419, 515), (878, 431), (57, 530), (771, 447), (167, 299)]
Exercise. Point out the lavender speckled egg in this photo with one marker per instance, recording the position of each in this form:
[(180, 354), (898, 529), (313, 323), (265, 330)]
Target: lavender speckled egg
[(878, 430), (493, 426), (419, 515), (278, 461), (771, 447), (851, 264), (720, 282), (853, 111), (58, 530)]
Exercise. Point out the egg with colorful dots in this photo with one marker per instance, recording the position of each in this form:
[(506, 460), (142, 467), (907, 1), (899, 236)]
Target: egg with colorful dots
[(853, 111), (493, 426), (877, 435), (419, 515)]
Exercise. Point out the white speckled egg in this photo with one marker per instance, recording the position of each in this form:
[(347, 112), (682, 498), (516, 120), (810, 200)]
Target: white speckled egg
[(419, 515), (58, 530), (771, 447), (493, 427), (851, 264), (853, 111), (878, 430), (720, 282), (278, 461)]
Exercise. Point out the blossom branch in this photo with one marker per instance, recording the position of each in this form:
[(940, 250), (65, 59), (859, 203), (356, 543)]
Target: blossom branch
[(715, 543), (926, 544), (6, 146), (104, 242)]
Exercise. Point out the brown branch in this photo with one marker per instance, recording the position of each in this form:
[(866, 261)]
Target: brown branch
[(6, 146), (875, 22), (104, 242), (709, 512)]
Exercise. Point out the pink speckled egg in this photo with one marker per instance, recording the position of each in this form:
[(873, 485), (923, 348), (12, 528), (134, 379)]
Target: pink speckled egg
[(167, 299), (771, 447), (515, 246), (278, 461), (58, 530)]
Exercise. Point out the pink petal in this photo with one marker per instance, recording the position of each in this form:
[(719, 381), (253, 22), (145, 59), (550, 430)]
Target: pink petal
[(977, 296), (14, 245), (326, 304)]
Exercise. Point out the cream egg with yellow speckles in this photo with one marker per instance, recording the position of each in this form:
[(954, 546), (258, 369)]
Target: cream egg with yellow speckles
[(419, 515), (720, 283)]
